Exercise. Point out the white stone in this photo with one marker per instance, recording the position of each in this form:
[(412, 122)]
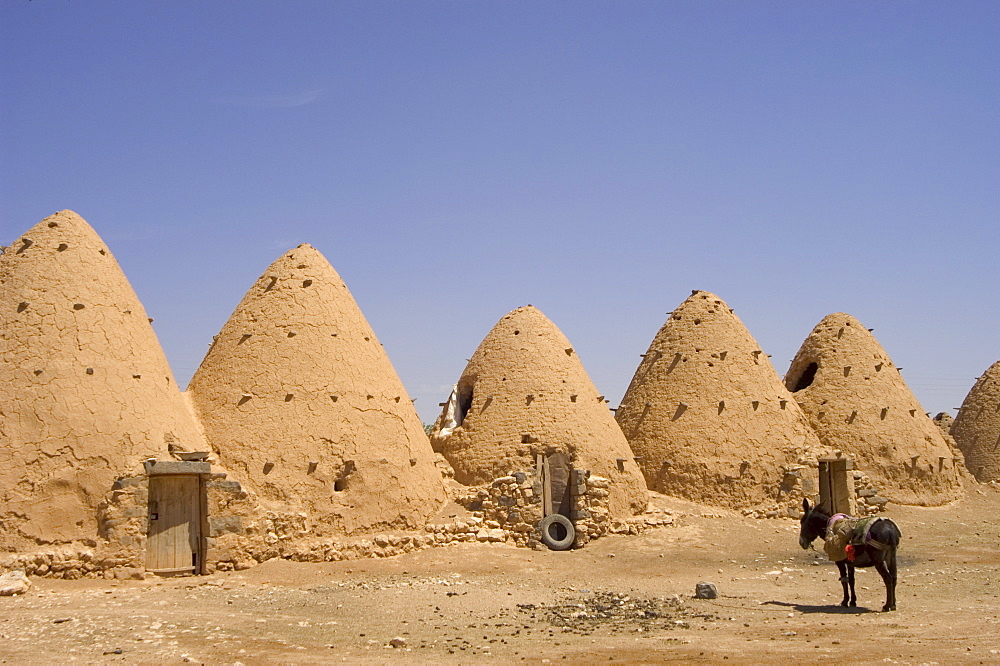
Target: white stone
[(14, 582)]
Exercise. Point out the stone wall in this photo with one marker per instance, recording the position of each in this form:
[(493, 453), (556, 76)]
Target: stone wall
[(240, 534), (868, 500), (504, 511), (510, 508)]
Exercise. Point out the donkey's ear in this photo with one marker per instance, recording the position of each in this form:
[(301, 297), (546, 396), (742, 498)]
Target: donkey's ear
[(805, 505)]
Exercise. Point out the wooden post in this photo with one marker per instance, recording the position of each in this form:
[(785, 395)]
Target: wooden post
[(546, 488), (835, 485)]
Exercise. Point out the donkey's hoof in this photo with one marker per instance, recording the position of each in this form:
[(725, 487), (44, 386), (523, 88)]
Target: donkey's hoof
[(887, 608), (844, 604)]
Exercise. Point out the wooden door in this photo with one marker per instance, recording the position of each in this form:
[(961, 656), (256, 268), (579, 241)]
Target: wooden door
[(175, 511), (559, 472)]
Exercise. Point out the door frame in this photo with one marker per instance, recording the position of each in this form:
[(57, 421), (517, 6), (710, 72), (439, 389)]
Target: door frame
[(200, 471)]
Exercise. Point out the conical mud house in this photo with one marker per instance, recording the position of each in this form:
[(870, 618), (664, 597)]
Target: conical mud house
[(525, 394), (708, 416), (857, 401), (977, 427), (302, 405), (85, 391), (944, 421)]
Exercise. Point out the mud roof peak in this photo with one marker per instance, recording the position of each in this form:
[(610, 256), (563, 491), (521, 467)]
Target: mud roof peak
[(706, 413), (525, 388), (858, 401)]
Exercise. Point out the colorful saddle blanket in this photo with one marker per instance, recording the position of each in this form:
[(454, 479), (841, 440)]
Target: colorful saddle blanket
[(843, 531)]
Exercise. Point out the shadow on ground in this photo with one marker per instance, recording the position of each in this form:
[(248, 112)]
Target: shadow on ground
[(832, 610)]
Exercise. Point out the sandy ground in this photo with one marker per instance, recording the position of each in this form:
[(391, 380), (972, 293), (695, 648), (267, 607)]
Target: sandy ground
[(620, 599)]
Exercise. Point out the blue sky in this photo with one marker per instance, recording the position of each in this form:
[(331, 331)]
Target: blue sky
[(455, 160)]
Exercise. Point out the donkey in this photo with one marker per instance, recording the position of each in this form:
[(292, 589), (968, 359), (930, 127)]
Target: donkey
[(878, 550)]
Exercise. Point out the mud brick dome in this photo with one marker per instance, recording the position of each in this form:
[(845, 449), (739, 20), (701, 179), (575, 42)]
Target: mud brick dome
[(302, 404), (707, 415), (944, 421), (525, 390), (857, 401), (85, 391), (977, 427)]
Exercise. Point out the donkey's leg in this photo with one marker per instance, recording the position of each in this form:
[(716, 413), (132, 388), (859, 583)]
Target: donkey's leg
[(887, 569), (892, 570), (850, 581), (842, 566)]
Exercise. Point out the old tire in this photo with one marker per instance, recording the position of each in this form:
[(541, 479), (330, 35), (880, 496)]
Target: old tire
[(558, 532)]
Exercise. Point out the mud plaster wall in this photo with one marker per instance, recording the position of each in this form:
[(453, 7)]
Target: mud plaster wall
[(123, 523), (857, 401), (708, 416), (302, 405), (977, 427), (944, 422), (85, 390), (525, 389)]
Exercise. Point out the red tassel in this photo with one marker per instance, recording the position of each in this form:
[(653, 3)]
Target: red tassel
[(850, 552)]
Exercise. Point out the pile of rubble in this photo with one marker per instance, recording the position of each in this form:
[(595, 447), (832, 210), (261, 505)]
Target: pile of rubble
[(613, 612)]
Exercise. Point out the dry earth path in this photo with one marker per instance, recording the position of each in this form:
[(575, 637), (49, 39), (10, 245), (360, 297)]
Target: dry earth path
[(620, 599)]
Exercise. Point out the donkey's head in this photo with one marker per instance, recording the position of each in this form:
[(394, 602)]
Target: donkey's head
[(812, 524)]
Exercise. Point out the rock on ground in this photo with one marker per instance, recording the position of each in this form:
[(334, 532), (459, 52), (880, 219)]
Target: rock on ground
[(14, 582), (704, 590)]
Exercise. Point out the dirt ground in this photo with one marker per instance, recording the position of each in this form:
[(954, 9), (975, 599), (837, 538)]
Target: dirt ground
[(620, 599)]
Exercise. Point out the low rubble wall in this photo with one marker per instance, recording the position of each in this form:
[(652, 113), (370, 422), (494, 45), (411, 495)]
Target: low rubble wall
[(238, 534)]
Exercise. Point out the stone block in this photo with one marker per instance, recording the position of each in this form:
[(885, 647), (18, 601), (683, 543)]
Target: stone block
[(13, 582), (225, 486), (132, 512), (218, 525), (162, 467), (598, 482), (705, 590), (130, 573), (128, 482)]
